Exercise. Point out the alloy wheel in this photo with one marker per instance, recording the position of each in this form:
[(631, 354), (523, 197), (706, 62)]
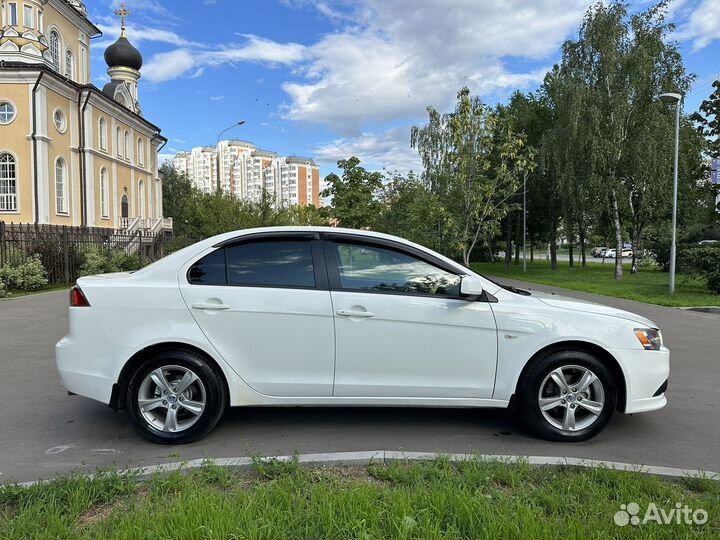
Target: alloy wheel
[(171, 398), (571, 398)]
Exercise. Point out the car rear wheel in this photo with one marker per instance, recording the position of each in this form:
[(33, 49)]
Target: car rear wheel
[(176, 397), (568, 396)]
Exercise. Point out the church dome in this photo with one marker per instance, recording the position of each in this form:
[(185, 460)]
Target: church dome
[(123, 54)]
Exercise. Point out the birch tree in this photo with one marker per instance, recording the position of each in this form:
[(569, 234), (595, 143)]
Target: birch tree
[(473, 161)]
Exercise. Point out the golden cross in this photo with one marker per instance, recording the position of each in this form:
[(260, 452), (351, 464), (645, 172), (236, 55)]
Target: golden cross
[(122, 13)]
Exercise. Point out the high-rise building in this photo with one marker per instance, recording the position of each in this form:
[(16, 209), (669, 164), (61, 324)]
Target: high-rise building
[(71, 153), (246, 171)]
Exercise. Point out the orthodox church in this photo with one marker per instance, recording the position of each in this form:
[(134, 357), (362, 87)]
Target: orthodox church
[(71, 153)]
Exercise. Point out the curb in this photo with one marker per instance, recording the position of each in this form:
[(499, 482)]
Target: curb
[(392, 456)]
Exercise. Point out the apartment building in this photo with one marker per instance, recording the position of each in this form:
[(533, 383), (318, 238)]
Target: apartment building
[(246, 171)]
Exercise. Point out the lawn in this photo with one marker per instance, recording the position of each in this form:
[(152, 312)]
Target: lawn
[(648, 285), (428, 500)]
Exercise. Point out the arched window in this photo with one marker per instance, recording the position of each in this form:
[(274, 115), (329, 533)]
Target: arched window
[(69, 63), (104, 194), (127, 144), (141, 199), (61, 186), (140, 153), (118, 142), (8, 184), (102, 134), (55, 50)]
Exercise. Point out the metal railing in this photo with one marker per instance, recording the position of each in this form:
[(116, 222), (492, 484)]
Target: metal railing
[(63, 249)]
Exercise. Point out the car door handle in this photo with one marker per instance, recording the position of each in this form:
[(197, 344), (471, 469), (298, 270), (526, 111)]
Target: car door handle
[(349, 313), (210, 306)]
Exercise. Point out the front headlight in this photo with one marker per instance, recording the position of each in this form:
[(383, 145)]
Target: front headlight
[(650, 338)]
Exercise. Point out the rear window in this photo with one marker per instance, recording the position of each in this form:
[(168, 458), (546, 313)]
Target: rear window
[(210, 270), (272, 264), (277, 263)]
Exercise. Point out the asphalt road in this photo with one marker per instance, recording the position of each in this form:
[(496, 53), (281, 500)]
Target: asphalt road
[(43, 431)]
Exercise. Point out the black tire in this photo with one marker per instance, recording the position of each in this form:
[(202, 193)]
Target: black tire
[(528, 394), (210, 381)]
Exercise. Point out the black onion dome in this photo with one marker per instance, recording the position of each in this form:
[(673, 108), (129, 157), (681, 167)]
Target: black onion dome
[(122, 53)]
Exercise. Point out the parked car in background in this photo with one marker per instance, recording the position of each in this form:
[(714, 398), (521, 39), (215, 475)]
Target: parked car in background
[(612, 253), (598, 251), (298, 316), (709, 242)]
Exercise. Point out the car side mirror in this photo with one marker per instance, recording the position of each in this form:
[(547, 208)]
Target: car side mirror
[(471, 286)]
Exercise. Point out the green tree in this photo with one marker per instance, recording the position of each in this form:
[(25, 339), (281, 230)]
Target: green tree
[(606, 86), (178, 194), (708, 120), (473, 161), (354, 194), (410, 210)]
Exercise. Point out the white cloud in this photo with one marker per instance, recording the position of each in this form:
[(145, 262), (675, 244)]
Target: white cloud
[(183, 61), (138, 33), (396, 61), (388, 150), (702, 26), (217, 98)]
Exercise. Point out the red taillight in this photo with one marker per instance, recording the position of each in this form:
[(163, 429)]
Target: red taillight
[(77, 298)]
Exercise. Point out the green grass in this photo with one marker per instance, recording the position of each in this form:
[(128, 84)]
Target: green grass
[(432, 500), (648, 285), (20, 294)]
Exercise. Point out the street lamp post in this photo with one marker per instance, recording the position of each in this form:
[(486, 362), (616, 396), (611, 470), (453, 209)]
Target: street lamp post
[(673, 98), (525, 222), (217, 152)]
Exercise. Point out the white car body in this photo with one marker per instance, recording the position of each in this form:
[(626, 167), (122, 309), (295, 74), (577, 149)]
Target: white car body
[(283, 346)]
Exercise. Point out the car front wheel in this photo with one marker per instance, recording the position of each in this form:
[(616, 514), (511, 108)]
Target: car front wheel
[(176, 397), (568, 396)]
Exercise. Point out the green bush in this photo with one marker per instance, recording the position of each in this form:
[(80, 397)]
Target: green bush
[(702, 262), (28, 275), (98, 261)]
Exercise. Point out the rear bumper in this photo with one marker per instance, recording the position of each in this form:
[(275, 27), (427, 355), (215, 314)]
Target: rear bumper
[(79, 377), (646, 375)]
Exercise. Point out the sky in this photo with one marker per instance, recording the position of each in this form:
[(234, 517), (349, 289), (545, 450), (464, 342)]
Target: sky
[(329, 79)]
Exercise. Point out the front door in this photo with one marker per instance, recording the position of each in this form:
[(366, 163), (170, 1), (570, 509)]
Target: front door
[(124, 210), (402, 329), (267, 312)]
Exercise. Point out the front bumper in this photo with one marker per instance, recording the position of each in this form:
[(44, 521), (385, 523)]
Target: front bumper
[(645, 374)]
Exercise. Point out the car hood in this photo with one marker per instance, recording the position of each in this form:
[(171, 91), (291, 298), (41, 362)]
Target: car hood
[(574, 304)]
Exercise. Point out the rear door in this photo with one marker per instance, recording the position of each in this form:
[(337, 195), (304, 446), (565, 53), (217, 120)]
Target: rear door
[(264, 305)]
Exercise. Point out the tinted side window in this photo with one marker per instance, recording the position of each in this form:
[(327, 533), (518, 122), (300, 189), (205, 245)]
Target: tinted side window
[(210, 270), (373, 268), (280, 263)]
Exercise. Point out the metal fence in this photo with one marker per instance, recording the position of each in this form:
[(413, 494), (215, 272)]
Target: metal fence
[(63, 249)]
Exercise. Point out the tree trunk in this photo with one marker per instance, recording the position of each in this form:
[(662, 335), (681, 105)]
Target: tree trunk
[(518, 240), (532, 250), (553, 246), (508, 242), (466, 256), (582, 245), (637, 234), (618, 236)]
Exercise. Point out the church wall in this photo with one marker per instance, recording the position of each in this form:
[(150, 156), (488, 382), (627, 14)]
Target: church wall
[(62, 145), (14, 139)]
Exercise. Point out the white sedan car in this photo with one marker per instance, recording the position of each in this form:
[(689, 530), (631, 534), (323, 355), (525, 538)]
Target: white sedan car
[(322, 316)]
